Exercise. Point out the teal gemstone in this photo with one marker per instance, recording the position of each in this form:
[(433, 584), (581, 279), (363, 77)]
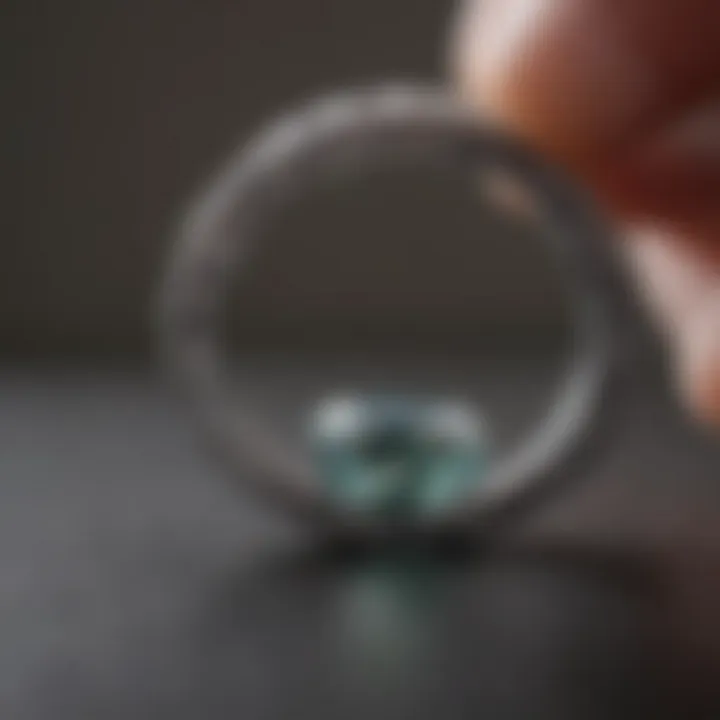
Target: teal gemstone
[(394, 456)]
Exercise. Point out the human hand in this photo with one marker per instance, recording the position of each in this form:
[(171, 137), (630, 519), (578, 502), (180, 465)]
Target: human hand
[(626, 95)]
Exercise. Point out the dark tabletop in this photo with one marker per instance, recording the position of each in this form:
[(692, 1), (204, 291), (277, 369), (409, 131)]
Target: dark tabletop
[(136, 584)]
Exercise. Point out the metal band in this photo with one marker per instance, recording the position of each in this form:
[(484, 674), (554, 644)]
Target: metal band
[(344, 134)]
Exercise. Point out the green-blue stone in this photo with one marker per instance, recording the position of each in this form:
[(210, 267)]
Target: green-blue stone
[(396, 456)]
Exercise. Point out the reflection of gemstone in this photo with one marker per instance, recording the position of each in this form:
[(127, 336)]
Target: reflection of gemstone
[(398, 456)]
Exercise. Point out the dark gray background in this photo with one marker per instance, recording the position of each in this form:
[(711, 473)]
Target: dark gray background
[(117, 111)]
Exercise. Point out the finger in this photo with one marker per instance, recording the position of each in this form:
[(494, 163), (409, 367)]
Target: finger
[(627, 95)]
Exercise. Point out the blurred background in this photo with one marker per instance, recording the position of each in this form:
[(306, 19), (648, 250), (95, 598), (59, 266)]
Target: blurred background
[(134, 583), (120, 111)]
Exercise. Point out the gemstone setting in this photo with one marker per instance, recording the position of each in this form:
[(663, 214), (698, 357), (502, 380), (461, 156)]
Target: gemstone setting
[(398, 457)]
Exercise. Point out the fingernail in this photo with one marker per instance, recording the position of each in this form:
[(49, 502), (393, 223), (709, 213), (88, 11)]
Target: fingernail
[(682, 289), (672, 278), (698, 360)]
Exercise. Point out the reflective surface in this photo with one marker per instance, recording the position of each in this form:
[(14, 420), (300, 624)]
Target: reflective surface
[(136, 586)]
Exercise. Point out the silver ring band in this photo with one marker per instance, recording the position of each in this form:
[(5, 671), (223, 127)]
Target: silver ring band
[(344, 134)]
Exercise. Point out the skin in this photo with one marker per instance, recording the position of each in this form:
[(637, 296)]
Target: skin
[(626, 95)]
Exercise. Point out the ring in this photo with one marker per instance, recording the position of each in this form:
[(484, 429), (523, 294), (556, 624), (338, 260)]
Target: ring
[(343, 135)]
